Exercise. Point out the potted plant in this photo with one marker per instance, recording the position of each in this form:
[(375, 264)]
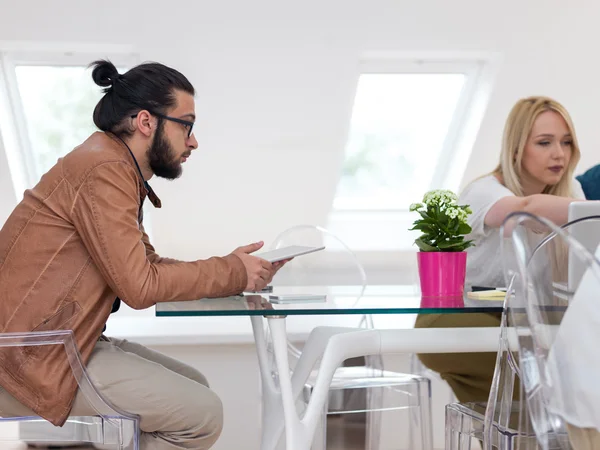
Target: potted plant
[(442, 258)]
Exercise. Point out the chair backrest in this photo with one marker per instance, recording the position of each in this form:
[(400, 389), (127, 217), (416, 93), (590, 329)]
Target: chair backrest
[(336, 267), (548, 355), (499, 411), (111, 416), (586, 230), (587, 233)]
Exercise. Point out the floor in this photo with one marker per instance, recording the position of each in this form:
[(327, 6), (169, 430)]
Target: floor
[(349, 441), (344, 432), (6, 446), (345, 435), (341, 435)]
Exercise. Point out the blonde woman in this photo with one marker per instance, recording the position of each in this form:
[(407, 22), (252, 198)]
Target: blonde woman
[(535, 174)]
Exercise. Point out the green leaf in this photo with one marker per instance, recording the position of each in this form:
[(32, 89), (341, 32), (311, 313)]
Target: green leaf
[(453, 242), (460, 247), (423, 227), (426, 216), (468, 244), (444, 229), (450, 245), (424, 246), (427, 221), (464, 228)]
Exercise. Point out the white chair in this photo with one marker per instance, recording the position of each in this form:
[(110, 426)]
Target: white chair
[(109, 428), (367, 387)]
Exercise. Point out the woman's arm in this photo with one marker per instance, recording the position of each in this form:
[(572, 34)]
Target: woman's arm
[(554, 208)]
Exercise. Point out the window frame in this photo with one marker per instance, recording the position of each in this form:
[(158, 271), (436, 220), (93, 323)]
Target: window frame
[(480, 69), (13, 123), (470, 68)]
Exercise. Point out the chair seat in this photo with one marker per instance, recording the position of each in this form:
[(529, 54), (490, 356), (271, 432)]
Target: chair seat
[(360, 377), (475, 411), (467, 419), (77, 431)]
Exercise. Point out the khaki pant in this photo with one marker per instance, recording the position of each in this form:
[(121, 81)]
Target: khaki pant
[(584, 438), (468, 374), (177, 409)]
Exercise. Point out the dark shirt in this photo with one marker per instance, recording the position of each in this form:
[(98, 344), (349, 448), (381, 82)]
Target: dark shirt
[(590, 182)]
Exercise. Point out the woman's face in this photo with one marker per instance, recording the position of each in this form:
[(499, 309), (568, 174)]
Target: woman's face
[(547, 152)]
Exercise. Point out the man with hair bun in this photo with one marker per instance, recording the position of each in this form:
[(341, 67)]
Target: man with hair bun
[(75, 246)]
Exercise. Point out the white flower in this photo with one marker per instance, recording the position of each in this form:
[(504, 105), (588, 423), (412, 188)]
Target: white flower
[(440, 197), (453, 212), (414, 206)]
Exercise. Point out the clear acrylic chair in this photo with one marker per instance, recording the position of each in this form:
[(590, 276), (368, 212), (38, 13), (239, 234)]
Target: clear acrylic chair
[(550, 391), (366, 388), (109, 428), (495, 423), (503, 421), (418, 368)]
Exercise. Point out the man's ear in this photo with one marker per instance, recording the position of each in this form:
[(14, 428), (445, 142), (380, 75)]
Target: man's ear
[(145, 123)]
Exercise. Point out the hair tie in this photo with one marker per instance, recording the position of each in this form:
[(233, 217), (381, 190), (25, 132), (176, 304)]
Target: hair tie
[(116, 79)]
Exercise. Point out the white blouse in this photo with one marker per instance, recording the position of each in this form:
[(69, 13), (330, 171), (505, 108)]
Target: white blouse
[(484, 260)]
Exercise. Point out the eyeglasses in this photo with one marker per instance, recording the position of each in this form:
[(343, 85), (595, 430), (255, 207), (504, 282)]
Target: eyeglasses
[(189, 125)]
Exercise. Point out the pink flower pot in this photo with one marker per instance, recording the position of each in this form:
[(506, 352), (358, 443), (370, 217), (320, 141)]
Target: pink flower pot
[(450, 301), (442, 274)]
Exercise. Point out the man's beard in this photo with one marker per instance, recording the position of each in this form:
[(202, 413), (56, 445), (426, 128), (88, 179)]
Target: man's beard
[(161, 156)]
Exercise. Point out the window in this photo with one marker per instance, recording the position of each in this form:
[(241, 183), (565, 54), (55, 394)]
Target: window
[(51, 99), (399, 124), (408, 133), (57, 102), (46, 104)]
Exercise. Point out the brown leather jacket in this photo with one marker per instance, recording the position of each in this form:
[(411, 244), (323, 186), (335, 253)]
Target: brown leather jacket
[(69, 248)]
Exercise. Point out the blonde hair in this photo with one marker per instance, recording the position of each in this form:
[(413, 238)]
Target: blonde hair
[(510, 170), (516, 132)]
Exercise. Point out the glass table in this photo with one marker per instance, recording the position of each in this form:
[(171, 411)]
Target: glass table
[(334, 344), (339, 300)]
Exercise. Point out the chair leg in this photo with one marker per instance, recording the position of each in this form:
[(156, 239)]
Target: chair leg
[(374, 405), (464, 441), (449, 438), (320, 439), (425, 418), (455, 440)]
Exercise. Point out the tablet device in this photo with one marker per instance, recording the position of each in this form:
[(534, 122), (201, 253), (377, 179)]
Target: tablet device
[(298, 298), (287, 252)]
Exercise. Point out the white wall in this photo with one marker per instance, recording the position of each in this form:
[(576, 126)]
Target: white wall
[(275, 84)]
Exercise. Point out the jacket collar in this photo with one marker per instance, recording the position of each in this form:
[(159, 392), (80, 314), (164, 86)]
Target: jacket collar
[(146, 188)]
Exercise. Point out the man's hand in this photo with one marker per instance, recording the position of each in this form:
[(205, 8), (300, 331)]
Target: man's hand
[(259, 271), (257, 302), (279, 264)]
